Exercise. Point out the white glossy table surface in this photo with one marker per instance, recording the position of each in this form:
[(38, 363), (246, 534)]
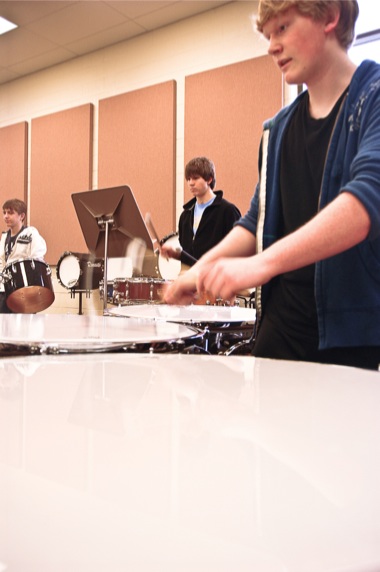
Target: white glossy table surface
[(187, 463)]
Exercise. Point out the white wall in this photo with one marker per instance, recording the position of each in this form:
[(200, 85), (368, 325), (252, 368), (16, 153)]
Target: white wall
[(220, 37)]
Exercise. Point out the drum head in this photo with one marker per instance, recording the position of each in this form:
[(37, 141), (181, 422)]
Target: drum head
[(68, 270), (169, 269), (192, 314), (55, 334), (30, 299)]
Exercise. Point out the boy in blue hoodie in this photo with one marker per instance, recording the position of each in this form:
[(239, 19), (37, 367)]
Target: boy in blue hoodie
[(310, 242)]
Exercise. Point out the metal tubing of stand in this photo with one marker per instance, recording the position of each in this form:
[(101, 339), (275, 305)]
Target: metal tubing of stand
[(105, 295), (104, 223)]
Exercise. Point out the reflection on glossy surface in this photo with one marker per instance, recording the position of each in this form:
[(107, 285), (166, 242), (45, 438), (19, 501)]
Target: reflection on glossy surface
[(150, 463)]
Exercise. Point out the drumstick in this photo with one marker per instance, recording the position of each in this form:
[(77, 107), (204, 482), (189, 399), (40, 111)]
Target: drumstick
[(188, 259), (205, 296), (152, 230)]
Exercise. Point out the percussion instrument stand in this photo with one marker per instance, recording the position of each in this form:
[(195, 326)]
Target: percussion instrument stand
[(104, 224), (112, 209), (80, 292)]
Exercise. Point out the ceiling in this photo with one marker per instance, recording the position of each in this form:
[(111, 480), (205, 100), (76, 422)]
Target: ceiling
[(54, 31)]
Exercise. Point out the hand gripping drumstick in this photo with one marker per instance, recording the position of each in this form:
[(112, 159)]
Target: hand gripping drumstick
[(205, 298), (185, 256)]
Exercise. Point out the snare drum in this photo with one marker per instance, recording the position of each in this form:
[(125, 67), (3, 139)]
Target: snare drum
[(119, 290), (224, 326), (137, 290), (79, 271), (70, 333), (28, 286), (157, 287), (169, 269)]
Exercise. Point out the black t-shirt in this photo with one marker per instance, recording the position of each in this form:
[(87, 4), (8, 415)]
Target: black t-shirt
[(291, 305)]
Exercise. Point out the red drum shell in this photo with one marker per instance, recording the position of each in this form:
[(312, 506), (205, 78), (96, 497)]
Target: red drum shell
[(137, 290)]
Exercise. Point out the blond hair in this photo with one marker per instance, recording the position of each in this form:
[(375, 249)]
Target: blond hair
[(317, 10)]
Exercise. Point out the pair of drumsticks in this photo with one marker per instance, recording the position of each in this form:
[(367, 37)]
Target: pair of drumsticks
[(201, 300), (153, 232)]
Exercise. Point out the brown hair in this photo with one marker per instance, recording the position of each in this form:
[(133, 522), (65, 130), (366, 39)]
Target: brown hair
[(201, 167), (317, 10), (16, 205)]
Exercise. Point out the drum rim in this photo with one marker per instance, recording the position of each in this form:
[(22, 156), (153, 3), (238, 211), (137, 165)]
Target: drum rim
[(29, 258), (80, 345), (64, 256), (167, 237), (190, 322), (161, 258)]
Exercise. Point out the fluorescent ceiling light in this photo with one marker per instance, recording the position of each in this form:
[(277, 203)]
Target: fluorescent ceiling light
[(6, 26)]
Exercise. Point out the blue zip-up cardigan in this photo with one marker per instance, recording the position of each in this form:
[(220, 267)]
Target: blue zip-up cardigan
[(347, 286)]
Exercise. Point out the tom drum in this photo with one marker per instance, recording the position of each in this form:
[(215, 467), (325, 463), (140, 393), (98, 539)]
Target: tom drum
[(28, 286), (79, 271)]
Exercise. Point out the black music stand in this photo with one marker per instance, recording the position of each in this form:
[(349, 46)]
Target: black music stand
[(110, 220)]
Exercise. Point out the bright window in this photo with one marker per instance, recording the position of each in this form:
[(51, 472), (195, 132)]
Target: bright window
[(367, 43)]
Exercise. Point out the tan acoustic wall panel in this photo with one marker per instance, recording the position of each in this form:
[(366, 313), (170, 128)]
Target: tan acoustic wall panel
[(13, 162), (224, 112), (61, 164), (137, 133)]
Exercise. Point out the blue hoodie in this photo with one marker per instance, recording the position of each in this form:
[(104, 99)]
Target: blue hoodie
[(347, 286)]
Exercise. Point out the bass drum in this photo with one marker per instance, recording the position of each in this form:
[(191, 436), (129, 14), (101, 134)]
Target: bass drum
[(169, 269), (28, 286), (79, 271)]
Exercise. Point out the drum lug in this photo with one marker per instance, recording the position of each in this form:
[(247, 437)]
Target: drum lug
[(54, 350), (34, 350), (180, 344), (6, 276)]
